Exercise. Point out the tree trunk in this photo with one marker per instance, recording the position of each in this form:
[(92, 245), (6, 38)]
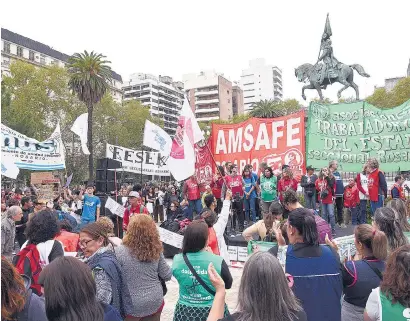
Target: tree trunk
[(90, 142)]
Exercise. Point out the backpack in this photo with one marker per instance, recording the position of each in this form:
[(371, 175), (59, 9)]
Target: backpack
[(29, 255), (141, 209)]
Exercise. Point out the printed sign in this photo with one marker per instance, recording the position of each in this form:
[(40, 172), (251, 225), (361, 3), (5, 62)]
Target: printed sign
[(170, 238), (47, 192), (29, 153), (347, 249), (352, 133), (203, 166), (153, 163), (39, 177), (114, 207), (276, 141)]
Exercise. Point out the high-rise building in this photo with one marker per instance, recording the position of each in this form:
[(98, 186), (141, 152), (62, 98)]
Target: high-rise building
[(237, 100), (164, 96), (260, 82), (17, 47), (210, 95)]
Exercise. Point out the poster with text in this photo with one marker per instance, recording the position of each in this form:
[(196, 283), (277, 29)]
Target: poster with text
[(153, 163), (353, 132), (203, 165), (276, 141)]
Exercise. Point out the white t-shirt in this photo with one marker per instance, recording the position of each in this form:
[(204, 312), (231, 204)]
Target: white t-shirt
[(363, 182)]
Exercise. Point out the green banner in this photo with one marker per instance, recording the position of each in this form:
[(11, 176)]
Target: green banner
[(353, 132)]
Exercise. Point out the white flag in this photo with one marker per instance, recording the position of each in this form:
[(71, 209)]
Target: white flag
[(114, 207), (181, 162), (9, 168), (80, 128), (157, 138)]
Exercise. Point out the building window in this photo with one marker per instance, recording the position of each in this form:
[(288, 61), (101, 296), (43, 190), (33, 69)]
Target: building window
[(6, 47), (31, 55), (42, 59), (20, 51), (227, 92), (229, 101)]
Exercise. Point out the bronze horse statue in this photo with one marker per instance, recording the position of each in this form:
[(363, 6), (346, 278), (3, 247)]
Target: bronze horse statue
[(318, 78)]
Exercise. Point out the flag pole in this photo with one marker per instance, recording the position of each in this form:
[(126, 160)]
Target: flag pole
[(216, 165)]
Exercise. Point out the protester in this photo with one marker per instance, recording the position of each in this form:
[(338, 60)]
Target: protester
[(325, 185), (228, 168), (136, 207), (249, 198), (391, 301), (264, 293), (339, 190), (170, 197), (27, 207), (40, 248), (208, 191), (376, 184), (158, 205), (18, 302), (235, 183), (68, 239), (108, 226), (39, 205), (363, 274), (315, 268), (175, 212), (266, 227), (385, 220), (192, 194), (216, 185), (70, 293), (8, 231), (267, 183), (106, 269), (397, 190), (144, 267), (286, 182), (402, 213), (91, 208), (217, 224), (196, 292), (309, 188), (361, 182), (351, 202), (186, 210)]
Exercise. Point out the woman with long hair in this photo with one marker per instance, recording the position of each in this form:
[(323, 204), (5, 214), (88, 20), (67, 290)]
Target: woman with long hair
[(267, 183), (386, 220), (315, 268), (18, 302), (144, 267), (364, 273), (264, 293), (107, 272), (286, 182), (108, 225), (196, 292), (150, 200), (70, 293), (249, 197), (391, 301), (325, 186), (400, 207)]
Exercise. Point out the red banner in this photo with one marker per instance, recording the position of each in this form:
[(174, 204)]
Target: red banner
[(203, 165), (276, 141)]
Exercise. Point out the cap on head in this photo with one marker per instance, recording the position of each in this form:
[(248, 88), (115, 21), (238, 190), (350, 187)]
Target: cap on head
[(134, 194)]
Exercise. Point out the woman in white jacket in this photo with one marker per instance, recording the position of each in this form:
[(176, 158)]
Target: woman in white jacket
[(217, 224)]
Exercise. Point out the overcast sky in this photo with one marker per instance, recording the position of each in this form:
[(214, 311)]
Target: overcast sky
[(172, 37)]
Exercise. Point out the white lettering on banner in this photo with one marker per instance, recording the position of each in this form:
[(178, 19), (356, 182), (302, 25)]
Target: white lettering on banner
[(153, 163), (239, 139), (170, 238), (114, 207)]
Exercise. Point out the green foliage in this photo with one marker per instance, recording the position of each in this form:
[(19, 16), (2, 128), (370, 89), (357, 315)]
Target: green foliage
[(325, 101), (235, 120), (346, 100), (270, 108), (397, 96)]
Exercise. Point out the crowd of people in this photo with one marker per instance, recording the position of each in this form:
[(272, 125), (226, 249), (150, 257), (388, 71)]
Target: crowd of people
[(62, 260)]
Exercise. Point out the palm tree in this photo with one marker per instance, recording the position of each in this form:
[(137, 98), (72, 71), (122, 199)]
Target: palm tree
[(90, 78), (273, 108)]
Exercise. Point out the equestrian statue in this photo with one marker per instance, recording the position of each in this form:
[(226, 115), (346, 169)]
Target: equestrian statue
[(328, 69)]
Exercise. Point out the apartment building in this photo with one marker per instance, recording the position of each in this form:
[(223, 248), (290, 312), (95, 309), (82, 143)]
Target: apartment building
[(164, 96), (259, 82), (237, 100), (210, 95), (17, 47)]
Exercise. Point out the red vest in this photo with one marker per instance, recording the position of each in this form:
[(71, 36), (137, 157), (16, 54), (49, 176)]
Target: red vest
[(193, 190), (235, 184), (373, 185), (351, 196), (213, 241), (401, 191)]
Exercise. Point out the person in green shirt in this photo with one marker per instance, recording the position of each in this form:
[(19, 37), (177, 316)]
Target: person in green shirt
[(267, 183), (196, 292), (208, 191), (391, 301)]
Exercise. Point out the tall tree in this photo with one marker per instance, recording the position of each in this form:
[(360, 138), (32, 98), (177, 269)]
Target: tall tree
[(271, 108), (90, 79), (389, 99)]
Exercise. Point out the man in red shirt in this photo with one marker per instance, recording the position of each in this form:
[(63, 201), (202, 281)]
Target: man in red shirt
[(136, 207), (192, 193), (236, 185)]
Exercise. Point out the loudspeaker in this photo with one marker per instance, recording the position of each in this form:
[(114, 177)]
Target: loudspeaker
[(105, 176), (108, 163), (105, 186)]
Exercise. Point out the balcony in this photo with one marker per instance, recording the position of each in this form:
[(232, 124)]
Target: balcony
[(206, 110), (206, 93), (207, 101), (207, 118)]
